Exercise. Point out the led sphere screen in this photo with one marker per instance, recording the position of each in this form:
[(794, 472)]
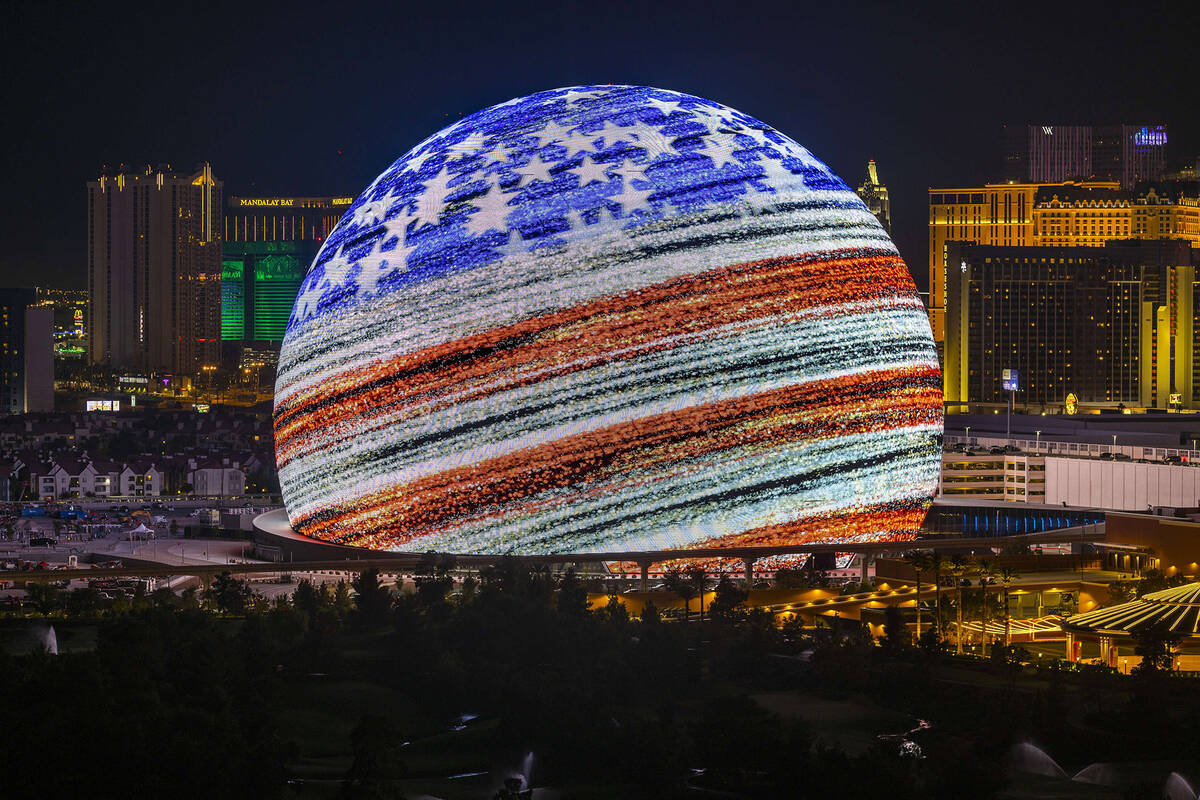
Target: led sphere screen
[(607, 319)]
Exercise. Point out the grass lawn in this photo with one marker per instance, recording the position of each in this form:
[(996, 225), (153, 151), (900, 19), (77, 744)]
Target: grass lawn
[(852, 723)]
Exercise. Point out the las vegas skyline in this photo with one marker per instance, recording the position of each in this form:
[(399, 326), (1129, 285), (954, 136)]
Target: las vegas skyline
[(279, 105)]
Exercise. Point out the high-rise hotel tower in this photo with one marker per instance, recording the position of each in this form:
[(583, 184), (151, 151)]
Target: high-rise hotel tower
[(154, 270)]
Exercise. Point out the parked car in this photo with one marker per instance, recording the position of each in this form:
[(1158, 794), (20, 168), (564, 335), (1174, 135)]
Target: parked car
[(42, 541)]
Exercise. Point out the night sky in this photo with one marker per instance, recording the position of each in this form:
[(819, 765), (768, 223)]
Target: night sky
[(316, 99)]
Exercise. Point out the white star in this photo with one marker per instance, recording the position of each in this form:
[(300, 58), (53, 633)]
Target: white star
[(611, 134), (666, 106), (369, 275), (432, 200), (396, 227), (721, 151), (468, 146), (590, 173), (759, 136), (484, 218), (632, 198), (553, 133), (654, 142), (575, 219), (575, 97), (566, 136), (373, 211), (509, 102), (416, 163), (537, 170)]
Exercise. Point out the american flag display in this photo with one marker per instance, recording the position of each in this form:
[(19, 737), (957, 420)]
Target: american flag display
[(605, 319)]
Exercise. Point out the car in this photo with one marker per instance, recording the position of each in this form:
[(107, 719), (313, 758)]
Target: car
[(1122, 457), (1106, 456), (42, 541), (1173, 460), (996, 451)]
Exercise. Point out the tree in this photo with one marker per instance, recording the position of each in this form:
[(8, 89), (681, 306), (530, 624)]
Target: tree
[(958, 568), (83, 602), (895, 633), (678, 583), (615, 612), (433, 579), (572, 595), (1156, 645), (230, 595), (697, 576), (372, 598), (919, 561), (788, 578), (343, 603), (984, 569), (1007, 575), (937, 563), (727, 600), (45, 598), (376, 764), (305, 598)]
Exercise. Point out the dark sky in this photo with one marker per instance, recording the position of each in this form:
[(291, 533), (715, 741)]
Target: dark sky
[(317, 98)]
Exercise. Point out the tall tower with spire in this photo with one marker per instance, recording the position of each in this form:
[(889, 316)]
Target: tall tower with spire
[(875, 195)]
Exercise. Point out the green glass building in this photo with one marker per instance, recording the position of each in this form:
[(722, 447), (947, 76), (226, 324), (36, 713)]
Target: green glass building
[(259, 283), (269, 243)]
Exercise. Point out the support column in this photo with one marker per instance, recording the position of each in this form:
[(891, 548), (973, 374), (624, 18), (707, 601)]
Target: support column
[(1070, 647), (863, 577), (644, 566), (749, 572)]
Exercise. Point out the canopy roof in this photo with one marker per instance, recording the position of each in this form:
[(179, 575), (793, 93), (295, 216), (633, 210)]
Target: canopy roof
[(1178, 608)]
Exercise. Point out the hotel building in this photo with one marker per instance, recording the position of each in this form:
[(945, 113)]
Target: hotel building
[(154, 267), (1068, 214), (268, 246), (1110, 325)]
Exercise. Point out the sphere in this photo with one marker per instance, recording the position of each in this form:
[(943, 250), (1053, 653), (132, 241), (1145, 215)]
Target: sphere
[(607, 319)]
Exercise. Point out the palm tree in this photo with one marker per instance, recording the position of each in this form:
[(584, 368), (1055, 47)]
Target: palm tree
[(936, 564), (1007, 576), (984, 569), (918, 560), (958, 568), (697, 576)]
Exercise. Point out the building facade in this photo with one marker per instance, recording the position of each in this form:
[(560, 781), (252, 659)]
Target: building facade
[(1069, 214), (1127, 154), (1014, 477), (1109, 325), (69, 308), (154, 266), (26, 353), (875, 195), (268, 246)]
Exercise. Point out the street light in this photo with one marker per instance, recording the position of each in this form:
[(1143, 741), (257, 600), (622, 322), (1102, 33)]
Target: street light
[(1114, 443), (968, 436), (1037, 447)]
